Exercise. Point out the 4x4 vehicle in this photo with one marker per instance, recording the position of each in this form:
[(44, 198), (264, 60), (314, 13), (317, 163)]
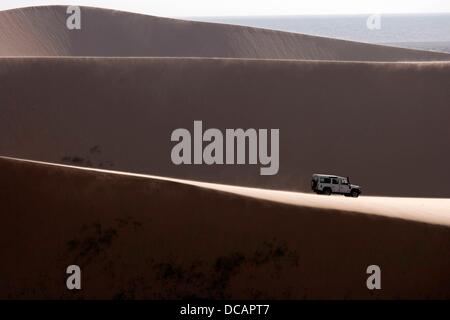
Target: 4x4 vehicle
[(329, 184)]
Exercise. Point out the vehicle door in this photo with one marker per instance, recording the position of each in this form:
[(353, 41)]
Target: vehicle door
[(344, 186), (335, 186)]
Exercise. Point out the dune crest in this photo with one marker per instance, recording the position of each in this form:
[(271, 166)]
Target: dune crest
[(42, 31), (425, 210)]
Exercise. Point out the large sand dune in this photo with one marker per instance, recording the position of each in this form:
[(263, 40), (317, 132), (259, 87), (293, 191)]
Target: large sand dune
[(42, 31), (149, 237), (383, 124)]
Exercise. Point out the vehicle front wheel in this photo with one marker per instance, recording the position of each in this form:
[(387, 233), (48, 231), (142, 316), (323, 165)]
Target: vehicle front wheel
[(355, 193)]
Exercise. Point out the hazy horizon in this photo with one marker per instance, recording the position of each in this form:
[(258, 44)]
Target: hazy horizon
[(206, 8)]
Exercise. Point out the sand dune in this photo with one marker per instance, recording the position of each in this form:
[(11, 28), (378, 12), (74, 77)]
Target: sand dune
[(437, 46), (385, 125), (426, 210), (42, 31), (216, 231), (142, 237)]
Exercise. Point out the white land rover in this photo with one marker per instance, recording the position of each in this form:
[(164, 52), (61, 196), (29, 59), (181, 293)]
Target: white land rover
[(329, 184)]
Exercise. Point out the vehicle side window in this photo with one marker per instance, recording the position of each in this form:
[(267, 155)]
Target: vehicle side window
[(326, 180), (335, 181), (343, 181)]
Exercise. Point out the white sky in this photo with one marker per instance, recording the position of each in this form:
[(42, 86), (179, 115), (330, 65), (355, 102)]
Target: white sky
[(190, 8)]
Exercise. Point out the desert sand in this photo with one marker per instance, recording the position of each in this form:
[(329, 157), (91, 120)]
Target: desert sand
[(93, 110), (42, 31), (150, 237), (383, 124)]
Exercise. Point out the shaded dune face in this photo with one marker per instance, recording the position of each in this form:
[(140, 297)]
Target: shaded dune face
[(136, 240), (42, 31), (384, 125)]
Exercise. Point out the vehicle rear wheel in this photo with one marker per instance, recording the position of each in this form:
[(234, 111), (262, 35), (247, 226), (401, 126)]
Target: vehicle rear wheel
[(327, 191), (355, 193)]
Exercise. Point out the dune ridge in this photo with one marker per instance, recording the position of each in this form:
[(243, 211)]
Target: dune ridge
[(431, 210), (42, 31)]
